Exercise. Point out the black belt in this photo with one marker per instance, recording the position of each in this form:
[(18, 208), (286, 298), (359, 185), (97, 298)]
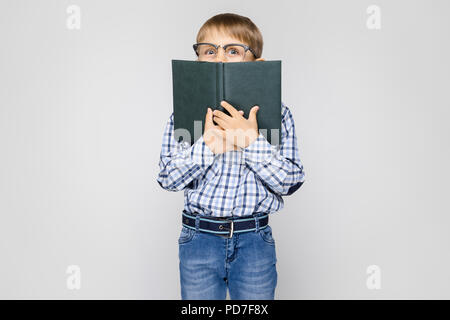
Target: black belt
[(225, 226)]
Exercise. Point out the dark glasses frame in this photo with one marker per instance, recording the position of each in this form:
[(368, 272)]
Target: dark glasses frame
[(246, 48)]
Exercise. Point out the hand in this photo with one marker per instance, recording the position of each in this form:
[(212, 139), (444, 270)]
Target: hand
[(237, 130), (213, 135)]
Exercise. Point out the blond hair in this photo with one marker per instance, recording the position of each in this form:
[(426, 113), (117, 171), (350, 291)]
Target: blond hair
[(236, 26)]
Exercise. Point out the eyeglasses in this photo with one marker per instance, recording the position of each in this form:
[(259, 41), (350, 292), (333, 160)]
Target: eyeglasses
[(233, 51)]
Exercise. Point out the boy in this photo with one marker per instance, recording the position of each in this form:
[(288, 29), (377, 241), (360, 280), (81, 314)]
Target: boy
[(230, 185)]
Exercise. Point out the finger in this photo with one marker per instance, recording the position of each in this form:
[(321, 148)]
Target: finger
[(230, 109), (208, 119), (241, 112), (221, 115), (219, 127), (219, 133), (221, 122), (231, 139), (236, 147), (252, 115)]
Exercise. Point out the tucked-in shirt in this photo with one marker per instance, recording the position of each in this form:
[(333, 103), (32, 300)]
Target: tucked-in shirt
[(235, 183)]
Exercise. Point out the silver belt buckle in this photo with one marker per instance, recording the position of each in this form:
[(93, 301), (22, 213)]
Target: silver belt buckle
[(232, 227)]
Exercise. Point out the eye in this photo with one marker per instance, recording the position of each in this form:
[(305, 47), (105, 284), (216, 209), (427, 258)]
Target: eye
[(235, 51), (209, 51)]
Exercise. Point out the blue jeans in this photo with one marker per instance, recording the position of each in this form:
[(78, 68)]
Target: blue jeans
[(245, 264)]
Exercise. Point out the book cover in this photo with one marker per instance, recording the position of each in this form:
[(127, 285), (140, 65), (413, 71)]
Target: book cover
[(198, 85)]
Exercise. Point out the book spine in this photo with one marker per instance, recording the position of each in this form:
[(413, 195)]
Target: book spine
[(223, 82), (219, 85)]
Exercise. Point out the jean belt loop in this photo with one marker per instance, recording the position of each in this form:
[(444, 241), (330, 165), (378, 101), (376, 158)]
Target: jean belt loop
[(256, 223), (197, 222)]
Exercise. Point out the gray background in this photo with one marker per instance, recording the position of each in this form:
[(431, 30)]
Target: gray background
[(81, 119)]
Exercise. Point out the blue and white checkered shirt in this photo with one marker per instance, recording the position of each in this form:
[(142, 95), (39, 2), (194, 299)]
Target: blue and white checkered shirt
[(235, 183)]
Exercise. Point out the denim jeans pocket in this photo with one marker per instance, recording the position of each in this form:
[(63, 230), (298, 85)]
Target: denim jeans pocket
[(266, 235), (186, 235)]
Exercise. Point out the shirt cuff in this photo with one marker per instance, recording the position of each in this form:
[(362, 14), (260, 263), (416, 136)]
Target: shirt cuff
[(201, 154), (259, 151)]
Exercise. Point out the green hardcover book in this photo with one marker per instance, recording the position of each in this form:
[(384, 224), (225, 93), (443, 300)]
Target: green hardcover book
[(198, 85)]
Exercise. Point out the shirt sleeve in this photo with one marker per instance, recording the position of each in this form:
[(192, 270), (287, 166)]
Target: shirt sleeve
[(279, 168), (180, 163)]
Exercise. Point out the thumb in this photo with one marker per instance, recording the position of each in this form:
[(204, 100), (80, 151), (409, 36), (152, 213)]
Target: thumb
[(208, 119), (252, 115)]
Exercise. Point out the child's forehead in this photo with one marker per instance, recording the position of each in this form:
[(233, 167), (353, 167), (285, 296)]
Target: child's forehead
[(220, 37)]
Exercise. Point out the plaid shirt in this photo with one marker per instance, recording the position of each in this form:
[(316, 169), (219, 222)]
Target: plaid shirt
[(235, 183)]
